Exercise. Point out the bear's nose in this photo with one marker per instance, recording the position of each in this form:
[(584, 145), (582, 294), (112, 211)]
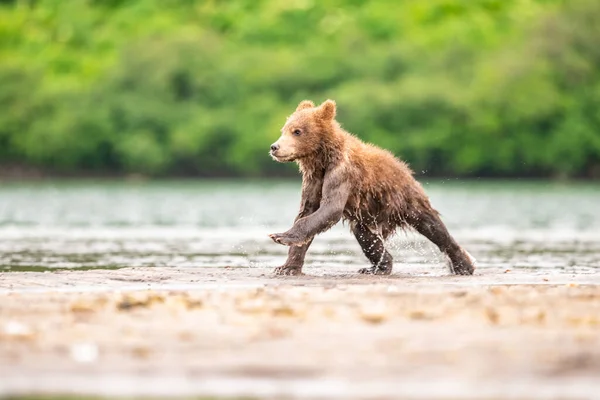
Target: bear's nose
[(274, 147)]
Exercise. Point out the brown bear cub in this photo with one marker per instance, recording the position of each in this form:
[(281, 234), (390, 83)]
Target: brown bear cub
[(343, 177)]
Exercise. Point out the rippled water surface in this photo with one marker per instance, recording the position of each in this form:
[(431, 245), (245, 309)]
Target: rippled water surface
[(212, 224)]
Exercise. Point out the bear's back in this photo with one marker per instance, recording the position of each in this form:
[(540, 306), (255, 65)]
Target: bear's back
[(374, 165)]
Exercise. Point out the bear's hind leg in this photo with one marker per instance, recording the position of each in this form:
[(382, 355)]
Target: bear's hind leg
[(431, 226), (373, 246), (295, 261)]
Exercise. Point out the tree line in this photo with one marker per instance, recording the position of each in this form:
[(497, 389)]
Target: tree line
[(201, 88)]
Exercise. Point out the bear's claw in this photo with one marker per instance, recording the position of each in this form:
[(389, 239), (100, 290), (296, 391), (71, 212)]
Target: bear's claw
[(287, 271), (285, 239)]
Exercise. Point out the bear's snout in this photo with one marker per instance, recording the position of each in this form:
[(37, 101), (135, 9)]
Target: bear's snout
[(283, 150)]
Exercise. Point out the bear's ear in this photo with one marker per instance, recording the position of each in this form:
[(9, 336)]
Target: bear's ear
[(327, 110), (304, 104)]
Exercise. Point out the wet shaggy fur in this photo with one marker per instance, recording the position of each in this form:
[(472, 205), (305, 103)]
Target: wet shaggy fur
[(343, 177)]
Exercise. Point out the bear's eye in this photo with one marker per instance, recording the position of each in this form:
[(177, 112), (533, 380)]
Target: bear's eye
[(296, 132)]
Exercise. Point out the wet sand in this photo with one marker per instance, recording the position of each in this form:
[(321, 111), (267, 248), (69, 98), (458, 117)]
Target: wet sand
[(329, 334)]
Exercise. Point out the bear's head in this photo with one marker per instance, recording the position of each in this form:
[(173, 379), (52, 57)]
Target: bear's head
[(305, 131)]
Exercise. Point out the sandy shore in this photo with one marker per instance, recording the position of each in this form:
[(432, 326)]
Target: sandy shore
[(330, 334)]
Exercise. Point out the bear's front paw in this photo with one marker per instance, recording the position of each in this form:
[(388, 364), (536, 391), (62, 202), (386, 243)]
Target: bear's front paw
[(286, 239), (288, 271)]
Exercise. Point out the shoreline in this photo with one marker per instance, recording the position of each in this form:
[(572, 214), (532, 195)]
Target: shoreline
[(29, 174), (166, 331)]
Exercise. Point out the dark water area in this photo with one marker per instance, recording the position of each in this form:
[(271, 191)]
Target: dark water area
[(545, 226)]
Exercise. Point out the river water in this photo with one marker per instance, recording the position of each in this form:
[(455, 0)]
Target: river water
[(545, 226)]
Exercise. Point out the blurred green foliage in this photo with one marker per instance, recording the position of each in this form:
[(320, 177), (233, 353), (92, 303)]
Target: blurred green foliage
[(163, 87)]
